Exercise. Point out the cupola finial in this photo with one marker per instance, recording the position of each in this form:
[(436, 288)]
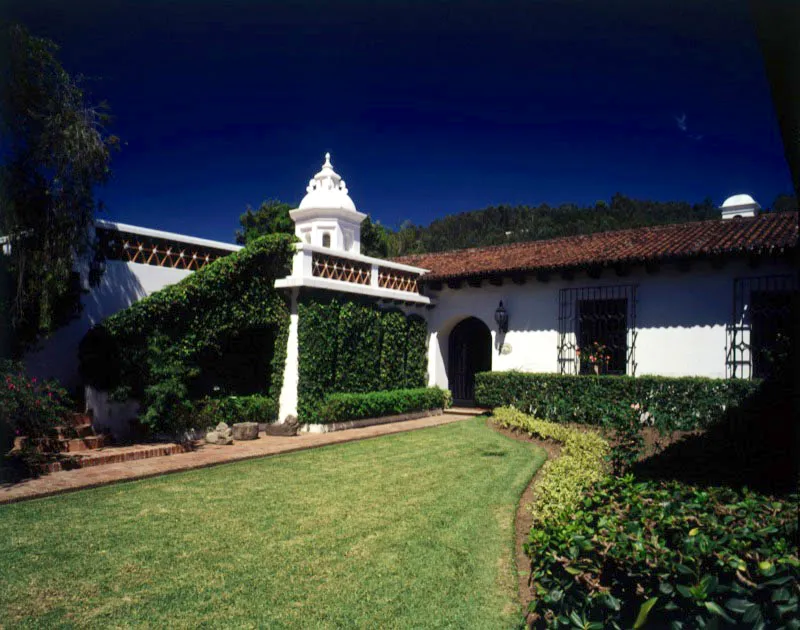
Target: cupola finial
[(327, 161)]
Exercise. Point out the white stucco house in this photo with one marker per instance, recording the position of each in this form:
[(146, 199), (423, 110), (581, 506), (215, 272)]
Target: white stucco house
[(694, 299)]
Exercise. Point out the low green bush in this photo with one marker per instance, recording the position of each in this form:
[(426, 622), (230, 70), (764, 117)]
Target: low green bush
[(565, 479), (668, 555), (342, 407), (231, 409), (669, 404)]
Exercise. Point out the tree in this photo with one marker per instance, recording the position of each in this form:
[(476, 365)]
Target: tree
[(785, 203), (57, 151), (271, 217), (374, 239)]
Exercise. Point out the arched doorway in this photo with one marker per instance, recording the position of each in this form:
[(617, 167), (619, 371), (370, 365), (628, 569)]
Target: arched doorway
[(470, 352)]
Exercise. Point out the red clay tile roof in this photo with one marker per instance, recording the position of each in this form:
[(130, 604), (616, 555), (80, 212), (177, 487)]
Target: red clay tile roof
[(768, 233)]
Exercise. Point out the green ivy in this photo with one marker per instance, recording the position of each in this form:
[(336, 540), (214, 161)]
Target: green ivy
[(351, 346), (188, 321), (669, 404)]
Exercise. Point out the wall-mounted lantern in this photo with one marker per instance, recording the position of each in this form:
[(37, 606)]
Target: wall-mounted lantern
[(501, 317)]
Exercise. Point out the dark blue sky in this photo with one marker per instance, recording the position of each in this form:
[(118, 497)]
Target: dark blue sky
[(428, 108)]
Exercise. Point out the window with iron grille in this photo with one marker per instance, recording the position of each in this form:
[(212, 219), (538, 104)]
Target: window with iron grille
[(597, 330), (761, 325)]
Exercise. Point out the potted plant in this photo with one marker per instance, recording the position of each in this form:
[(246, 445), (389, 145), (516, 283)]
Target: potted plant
[(595, 356)]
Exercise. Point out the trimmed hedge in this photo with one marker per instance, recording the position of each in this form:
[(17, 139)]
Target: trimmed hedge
[(670, 404), (669, 555), (343, 407), (563, 480), (350, 346), (611, 552), (163, 349)]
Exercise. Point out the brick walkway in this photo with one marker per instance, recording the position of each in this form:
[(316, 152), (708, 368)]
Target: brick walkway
[(205, 455)]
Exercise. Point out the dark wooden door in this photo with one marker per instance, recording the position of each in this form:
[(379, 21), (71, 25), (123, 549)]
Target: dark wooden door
[(470, 353)]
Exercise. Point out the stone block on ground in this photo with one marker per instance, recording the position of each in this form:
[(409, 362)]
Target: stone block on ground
[(223, 434), (289, 426), (245, 431)]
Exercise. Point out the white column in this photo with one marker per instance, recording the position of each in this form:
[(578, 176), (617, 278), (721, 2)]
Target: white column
[(374, 280), (287, 403)]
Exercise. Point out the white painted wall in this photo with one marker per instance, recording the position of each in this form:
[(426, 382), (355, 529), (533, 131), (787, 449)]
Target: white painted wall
[(681, 319), (122, 284)]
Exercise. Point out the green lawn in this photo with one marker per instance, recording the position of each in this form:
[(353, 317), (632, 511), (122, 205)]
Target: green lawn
[(410, 530)]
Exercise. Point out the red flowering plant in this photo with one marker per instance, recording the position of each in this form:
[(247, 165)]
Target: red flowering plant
[(594, 357), (28, 406)]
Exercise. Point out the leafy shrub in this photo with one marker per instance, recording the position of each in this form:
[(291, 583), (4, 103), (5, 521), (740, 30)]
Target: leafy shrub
[(27, 406), (348, 346), (670, 555), (341, 407), (563, 480), (684, 403), (232, 409), (190, 323)]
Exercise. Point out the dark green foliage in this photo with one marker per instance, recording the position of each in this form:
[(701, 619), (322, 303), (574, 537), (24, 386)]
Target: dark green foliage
[(192, 323), (231, 409), (394, 336), (416, 350), (358, 349), (56, 153), (166, 406), (669, 554), (272, 217), (502, 224), (669, 404), (348, 346), (28, 407), (341, 407)]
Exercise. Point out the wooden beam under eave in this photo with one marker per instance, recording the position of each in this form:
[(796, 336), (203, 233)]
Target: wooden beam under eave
[(475, 283), (594, 271), (455, 283), (518, 278), (622, 269), (543, 276), (718, 262), (434, 285), (568, 274), (496, 281), (652, 267), (684, 265), (754, 261)]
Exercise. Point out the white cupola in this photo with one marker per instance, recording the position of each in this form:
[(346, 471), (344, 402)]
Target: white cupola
[(739, 206), (327, 217)]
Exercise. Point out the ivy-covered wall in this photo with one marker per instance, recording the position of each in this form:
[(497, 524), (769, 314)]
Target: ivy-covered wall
[(351, 346), (165, 349)]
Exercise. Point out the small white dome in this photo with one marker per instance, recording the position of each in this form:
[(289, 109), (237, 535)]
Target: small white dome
[(327, 191), (739, 200)]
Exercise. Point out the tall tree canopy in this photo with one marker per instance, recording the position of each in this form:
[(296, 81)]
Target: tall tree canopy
[(56, 151), (272, 217)]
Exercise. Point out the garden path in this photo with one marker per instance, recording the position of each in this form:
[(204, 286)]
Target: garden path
[(203, 456)]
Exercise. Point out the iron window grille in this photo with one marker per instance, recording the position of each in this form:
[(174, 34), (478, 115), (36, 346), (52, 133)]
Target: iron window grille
[(589, 317), (760, 325)]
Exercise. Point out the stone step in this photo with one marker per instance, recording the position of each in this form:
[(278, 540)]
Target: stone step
[(78, 419), (78, 430), (466, 411), (87, 443), (115, 455)]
